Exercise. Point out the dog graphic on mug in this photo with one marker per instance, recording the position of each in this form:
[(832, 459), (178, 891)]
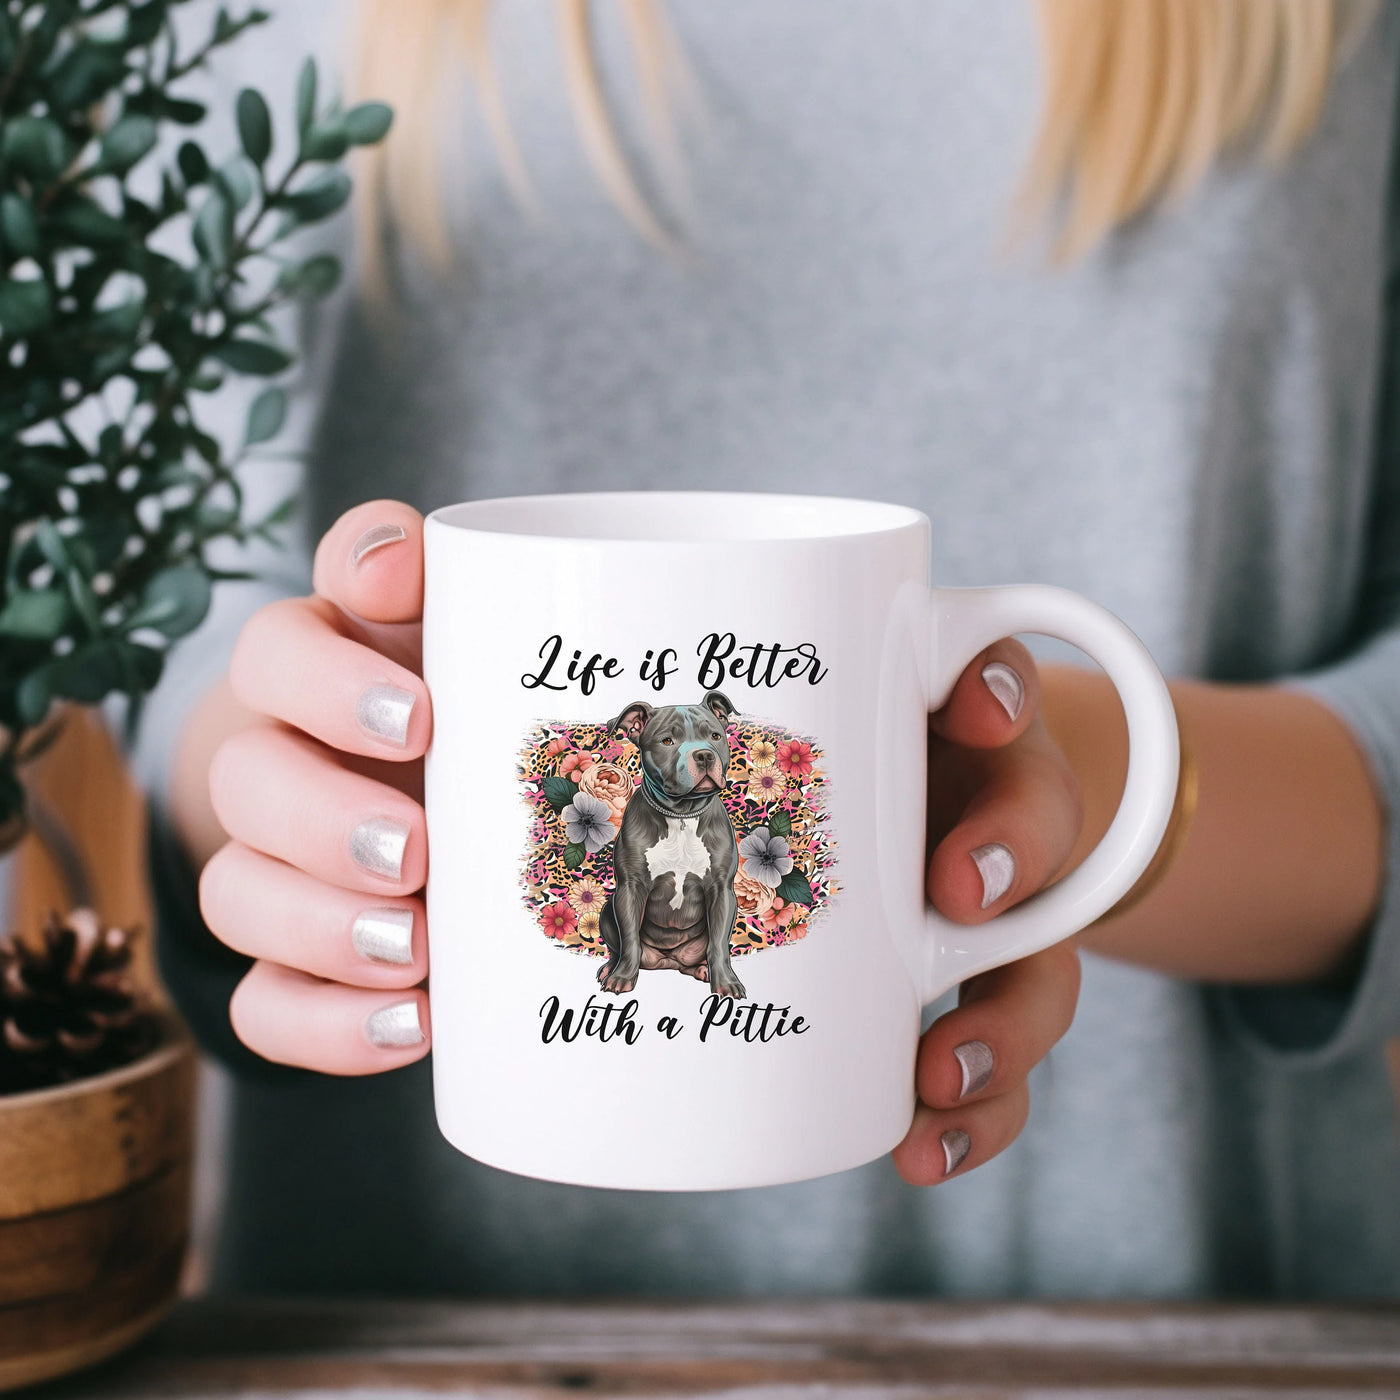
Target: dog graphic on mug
[(674, 860)]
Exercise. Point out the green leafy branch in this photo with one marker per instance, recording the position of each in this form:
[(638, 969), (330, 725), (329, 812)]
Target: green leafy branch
[(131, 287)]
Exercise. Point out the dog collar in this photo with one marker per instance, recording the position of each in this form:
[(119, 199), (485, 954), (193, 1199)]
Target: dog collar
[(666, 811)]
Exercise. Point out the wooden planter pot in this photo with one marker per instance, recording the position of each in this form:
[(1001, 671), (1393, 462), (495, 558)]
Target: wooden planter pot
[(94, 1211)]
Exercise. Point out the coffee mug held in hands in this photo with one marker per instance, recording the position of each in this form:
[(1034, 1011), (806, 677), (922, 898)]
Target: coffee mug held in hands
[(676, 799)]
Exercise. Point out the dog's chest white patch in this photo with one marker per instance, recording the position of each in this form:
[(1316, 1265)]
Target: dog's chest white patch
[(680, 852)]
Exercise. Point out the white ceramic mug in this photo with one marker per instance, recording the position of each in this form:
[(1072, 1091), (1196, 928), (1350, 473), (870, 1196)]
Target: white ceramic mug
[(655, 714)]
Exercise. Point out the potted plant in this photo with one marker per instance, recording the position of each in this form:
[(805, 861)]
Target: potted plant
[(138, 272)]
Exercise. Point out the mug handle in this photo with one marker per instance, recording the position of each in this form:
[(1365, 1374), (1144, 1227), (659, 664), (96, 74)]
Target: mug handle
[(964, 621)]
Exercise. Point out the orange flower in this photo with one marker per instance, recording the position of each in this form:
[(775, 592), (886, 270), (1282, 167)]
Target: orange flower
[(555, 747), (755, 898), (610, 782)]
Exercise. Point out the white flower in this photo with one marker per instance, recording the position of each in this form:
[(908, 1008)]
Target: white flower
[(765, 857), (587, 819)]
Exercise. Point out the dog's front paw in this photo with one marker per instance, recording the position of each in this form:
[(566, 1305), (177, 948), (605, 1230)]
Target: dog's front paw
[(617, 979), (726, 984)]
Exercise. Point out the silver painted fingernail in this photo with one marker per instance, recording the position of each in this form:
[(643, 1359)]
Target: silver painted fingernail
[(376, 537), (1006, 685), (392, 1027), (383, 710), (385, 935), (377, 845), (977, 1061), (955, 1147), (997, 867)]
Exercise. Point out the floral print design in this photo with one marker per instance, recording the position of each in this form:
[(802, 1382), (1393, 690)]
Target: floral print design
[(577, 779), (588, 820)]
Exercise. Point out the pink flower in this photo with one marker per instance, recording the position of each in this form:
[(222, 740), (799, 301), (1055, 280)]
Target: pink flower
[(555, 746), (558, 920), (611, 783), (575, 765), (779, 914), (795, 758), (755, 898)]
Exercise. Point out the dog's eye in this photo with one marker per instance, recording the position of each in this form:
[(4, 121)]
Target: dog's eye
[(714, 736), (668, 742)]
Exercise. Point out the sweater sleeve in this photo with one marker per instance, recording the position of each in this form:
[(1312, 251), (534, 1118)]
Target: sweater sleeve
[(1322, 1023), (199, 971)]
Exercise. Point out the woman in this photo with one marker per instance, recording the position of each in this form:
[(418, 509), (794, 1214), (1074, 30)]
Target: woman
[(1178, 412)]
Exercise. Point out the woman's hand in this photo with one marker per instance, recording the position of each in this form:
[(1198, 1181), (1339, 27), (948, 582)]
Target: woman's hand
[(321, 881), (1005, 810)]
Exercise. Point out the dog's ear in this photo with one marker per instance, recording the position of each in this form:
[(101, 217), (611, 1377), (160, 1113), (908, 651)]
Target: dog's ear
[(632, 720), (717, 702)]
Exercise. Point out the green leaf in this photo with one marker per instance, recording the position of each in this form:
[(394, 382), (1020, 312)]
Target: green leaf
[(306, 97), (319, 197), (367, 122), (85, 223), (236, 182), (779, 823), (92, 672), (173, 602), (35, 145), (38, 616), (254, 126), (86, 71), (213, 229), (185, 112), (575, 853), (121, 321), (193, 163), (18, 225), (32, 697), (316, 276), (558, 792), (325, 141), (252, 356), (266, 415), (795, 889), (127, 142), (25, 307), (143, 22)]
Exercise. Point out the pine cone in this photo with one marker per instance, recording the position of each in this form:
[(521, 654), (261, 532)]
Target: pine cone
[(68, 1009)]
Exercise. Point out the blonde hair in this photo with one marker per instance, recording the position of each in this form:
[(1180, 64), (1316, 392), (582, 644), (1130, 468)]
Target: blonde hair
[(1141, 98)]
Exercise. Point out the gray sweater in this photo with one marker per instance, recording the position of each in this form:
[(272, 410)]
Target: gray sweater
[(1192, 427)]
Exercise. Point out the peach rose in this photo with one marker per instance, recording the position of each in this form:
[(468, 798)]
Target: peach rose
[(755, 898), (611, 783)]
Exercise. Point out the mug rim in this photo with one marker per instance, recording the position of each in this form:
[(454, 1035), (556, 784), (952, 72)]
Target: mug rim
[(663, 518)]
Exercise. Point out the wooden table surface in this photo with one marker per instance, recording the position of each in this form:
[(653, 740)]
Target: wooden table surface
[(873, 1350)]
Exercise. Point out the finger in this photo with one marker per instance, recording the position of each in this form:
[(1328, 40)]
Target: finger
[(370, 562), (265, 909), (293, 663), (1005, 1024), (293, 1019), (942, 1143), (1014, 836), (285, 796), (994, 700)]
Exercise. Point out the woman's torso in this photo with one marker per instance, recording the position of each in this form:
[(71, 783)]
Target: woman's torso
[(1179, 426)]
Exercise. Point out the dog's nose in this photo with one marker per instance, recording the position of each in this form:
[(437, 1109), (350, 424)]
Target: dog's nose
[(705, 758)]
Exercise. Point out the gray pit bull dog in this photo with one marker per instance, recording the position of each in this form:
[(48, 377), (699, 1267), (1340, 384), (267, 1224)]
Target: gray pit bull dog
[(674, 860)]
